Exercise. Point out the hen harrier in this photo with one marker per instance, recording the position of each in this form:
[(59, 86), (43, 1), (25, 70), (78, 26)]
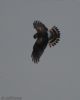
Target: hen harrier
[(43, 36)]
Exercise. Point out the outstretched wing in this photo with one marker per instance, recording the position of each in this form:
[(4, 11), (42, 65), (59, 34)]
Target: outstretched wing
[(40, 27), (39, 48)]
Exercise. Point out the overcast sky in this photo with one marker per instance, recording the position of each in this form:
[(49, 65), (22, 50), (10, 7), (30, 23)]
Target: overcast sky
[(57, 75)]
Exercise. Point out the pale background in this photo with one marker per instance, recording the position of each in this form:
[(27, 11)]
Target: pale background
[(57, 76)]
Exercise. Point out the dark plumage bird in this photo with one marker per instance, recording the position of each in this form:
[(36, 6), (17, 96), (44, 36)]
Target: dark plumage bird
[(43, 38)]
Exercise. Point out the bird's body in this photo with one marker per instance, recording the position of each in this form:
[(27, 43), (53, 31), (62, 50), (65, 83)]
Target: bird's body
[(43, 38)]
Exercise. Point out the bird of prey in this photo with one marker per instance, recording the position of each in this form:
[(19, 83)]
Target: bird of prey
[(44, 37)]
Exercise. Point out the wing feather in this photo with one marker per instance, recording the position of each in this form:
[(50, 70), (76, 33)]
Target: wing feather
[(39, 26), (38, 49)]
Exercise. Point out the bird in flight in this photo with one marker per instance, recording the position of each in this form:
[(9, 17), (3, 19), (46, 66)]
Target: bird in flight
[(44, 37)]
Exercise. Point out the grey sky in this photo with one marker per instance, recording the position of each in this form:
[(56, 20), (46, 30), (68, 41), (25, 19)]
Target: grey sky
[(57, 76)]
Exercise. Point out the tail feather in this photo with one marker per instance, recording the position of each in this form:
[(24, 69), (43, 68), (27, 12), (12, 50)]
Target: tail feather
[(55, 36)]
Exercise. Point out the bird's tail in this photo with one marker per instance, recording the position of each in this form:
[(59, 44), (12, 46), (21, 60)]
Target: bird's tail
[(55, 36)]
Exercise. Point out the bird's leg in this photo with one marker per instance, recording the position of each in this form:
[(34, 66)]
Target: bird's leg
[(35, 36)]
